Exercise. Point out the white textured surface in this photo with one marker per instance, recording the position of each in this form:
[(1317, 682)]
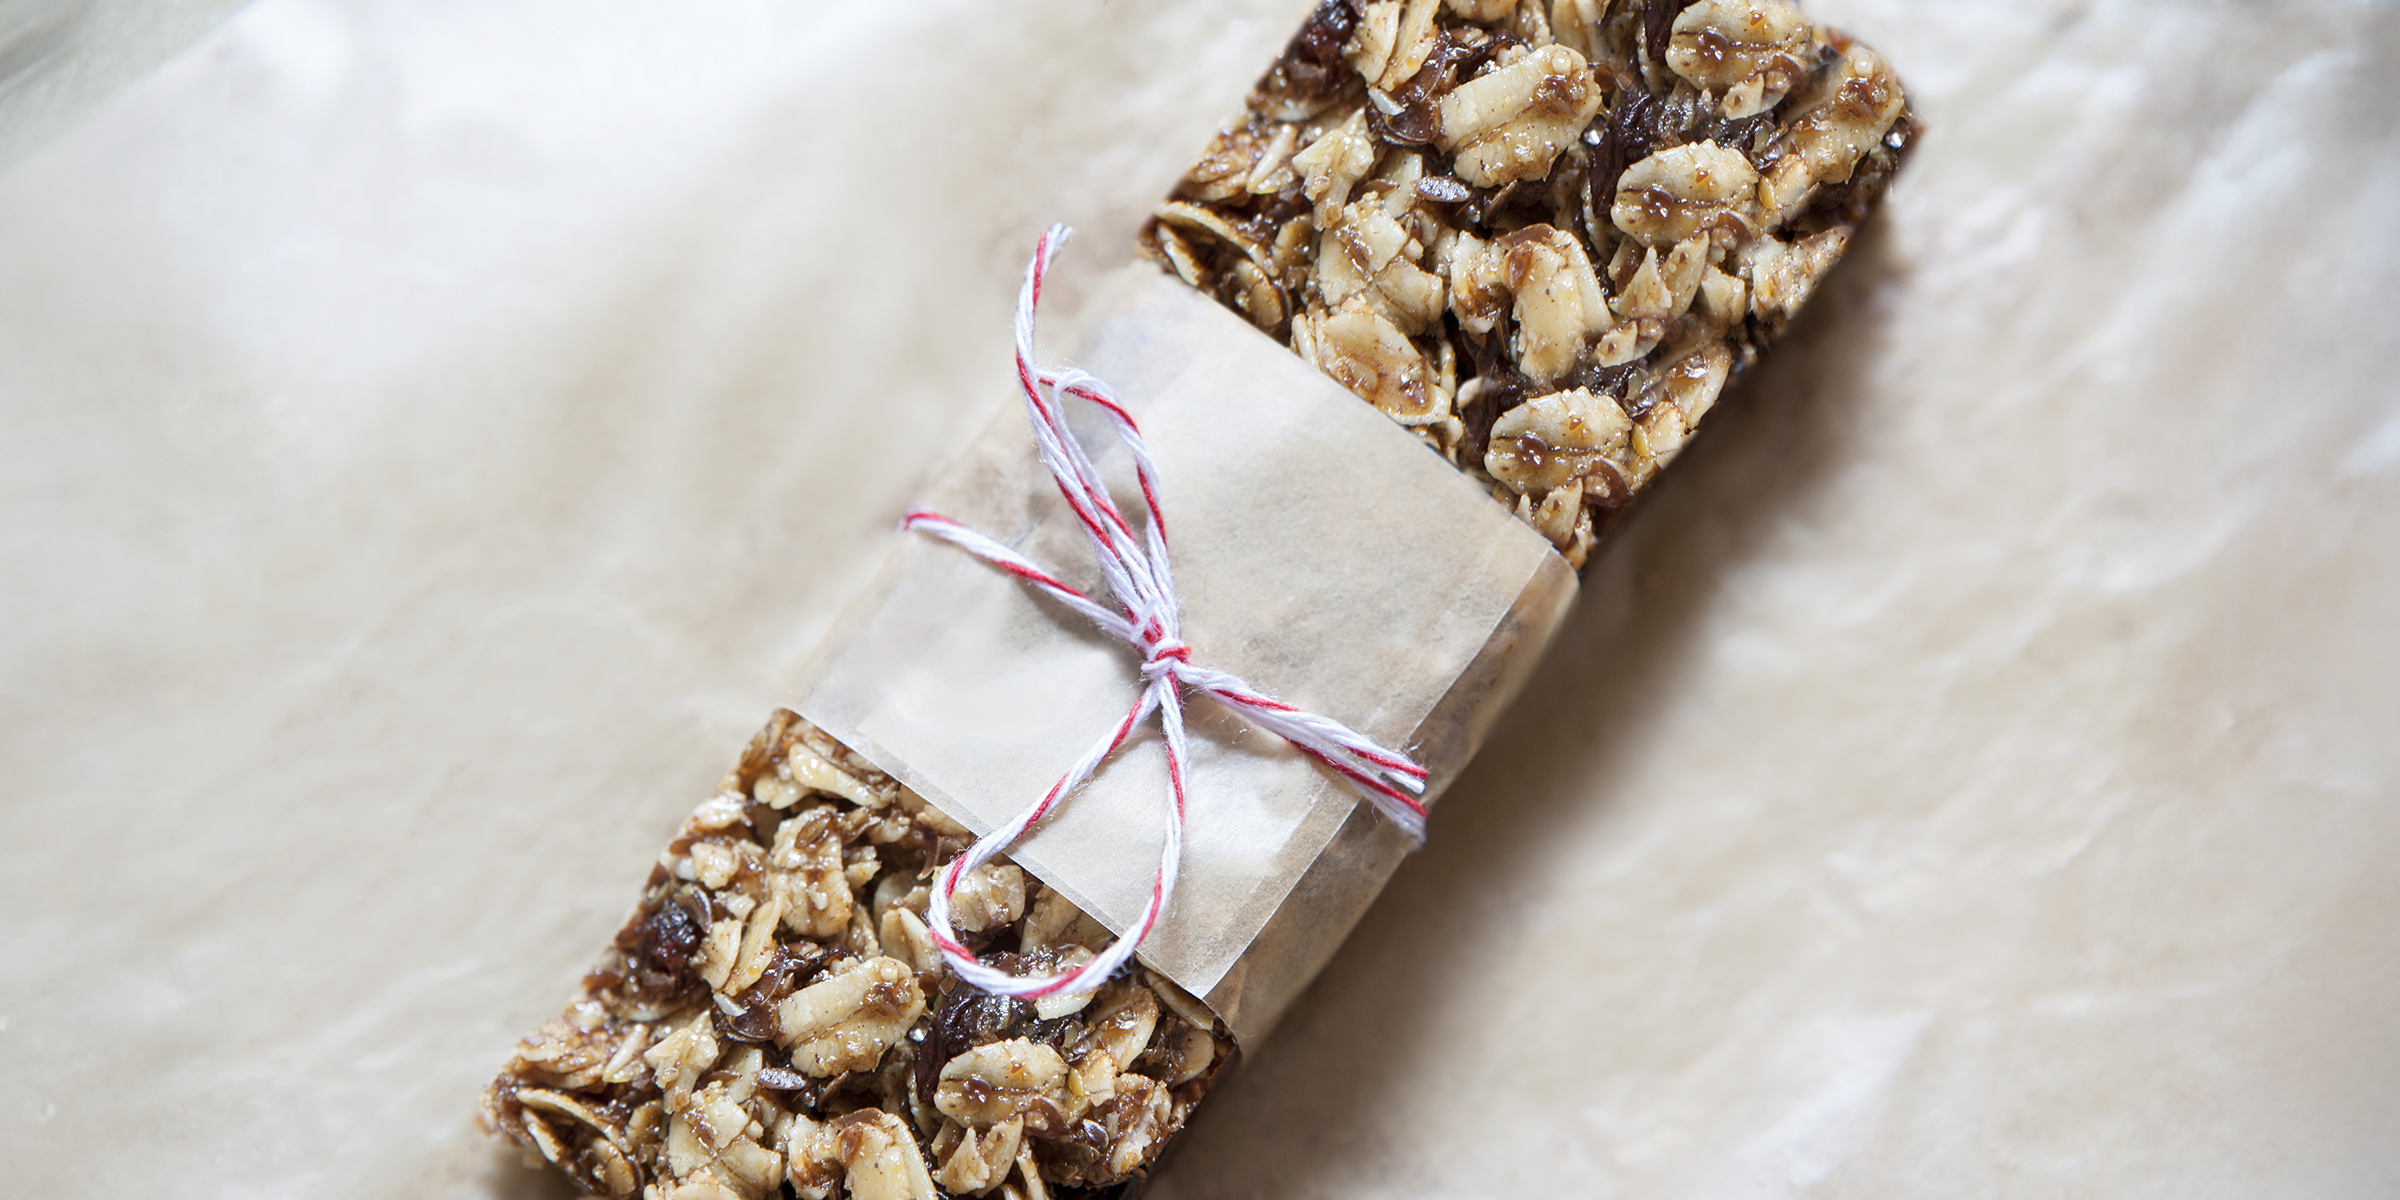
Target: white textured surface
[(60, 58), (430, 434)]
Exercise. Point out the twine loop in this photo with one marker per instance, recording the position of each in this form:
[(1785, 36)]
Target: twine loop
[(1147, 617)]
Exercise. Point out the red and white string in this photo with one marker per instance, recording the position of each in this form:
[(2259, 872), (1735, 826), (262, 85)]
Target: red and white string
[(1148, 618)]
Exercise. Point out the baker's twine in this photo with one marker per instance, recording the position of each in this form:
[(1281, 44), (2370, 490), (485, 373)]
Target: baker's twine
[(1149, 619)]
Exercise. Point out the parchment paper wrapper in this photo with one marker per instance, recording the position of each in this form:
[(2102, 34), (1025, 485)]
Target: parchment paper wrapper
[(1322, 553)]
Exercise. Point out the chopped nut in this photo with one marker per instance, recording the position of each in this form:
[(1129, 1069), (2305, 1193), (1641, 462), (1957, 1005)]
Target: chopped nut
[(991, 1084), (1370, 50), (1029, 1173), (1529, 25), (1782, 276), (846, 1021), (880, 1156), (703, 1186), (754, 1168), (758, 940), (1334, 163), (1751, 51), (1683, 190), (930, 817), (714, 1117), (905, 937), (1661, 289), (1554, 517), (1558, 299), (990, 895), (1122, 1018), (721, 811), (1366, 353), (1093, 1081), (1550, 441), (1479, 291), (808, 848), (1724, 298), (1693, 380), (687, 1151), (1364, 253), (678, 1060), (1842, 119), (978, 1164), (1486, 11), (1629, 341), (1410, 44), (816, 772), (813, 1157), (743, 1065), (1055, 921), (1655, 441), (860, 937), (1511, 123), (1137, 1118), (714, 864)]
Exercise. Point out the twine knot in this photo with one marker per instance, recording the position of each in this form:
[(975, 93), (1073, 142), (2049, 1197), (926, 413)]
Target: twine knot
[(1148, 618)]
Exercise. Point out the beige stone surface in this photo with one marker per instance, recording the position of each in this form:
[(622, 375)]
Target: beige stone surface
[(431, 435)]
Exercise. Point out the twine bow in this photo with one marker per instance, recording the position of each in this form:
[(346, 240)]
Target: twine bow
[(1149, 619)]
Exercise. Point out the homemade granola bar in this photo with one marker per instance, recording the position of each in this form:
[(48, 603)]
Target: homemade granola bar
[(1541, 235), (773, 1014)]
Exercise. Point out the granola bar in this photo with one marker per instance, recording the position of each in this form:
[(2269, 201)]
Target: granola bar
[(774, 1014), (1542, 236), (1542, 239)]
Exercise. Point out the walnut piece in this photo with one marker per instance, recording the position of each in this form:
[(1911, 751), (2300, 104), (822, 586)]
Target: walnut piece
[(999, 1082), (1510, 124), (1682, 190), (1558, 439), (1750, 51), (880, 1158), (846, 1022)]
